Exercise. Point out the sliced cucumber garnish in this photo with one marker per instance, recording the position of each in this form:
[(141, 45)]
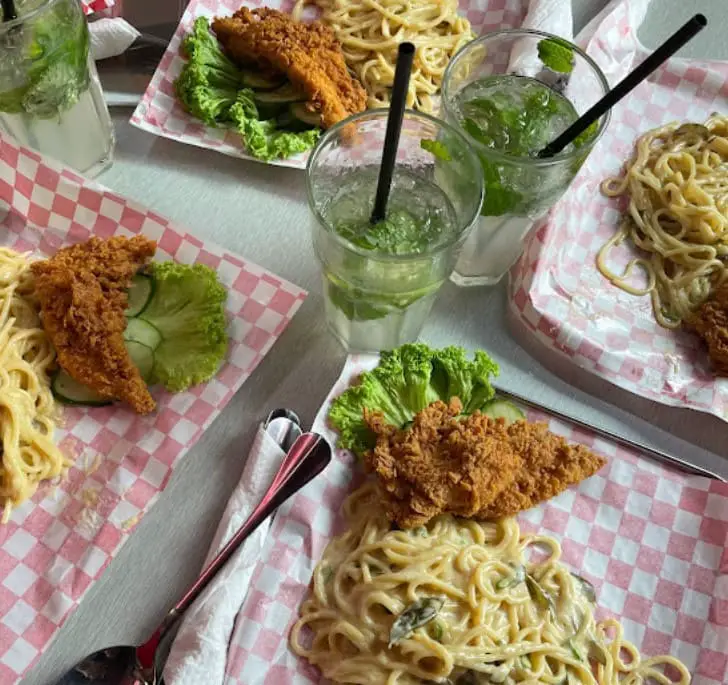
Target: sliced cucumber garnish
[(257, 81), (499, 408), (301, 112), (285, 95), (142, 357), (139, 293), (69, 391), (141, 331)]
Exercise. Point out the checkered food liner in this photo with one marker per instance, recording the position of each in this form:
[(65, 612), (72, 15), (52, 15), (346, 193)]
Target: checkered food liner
[(160, 113), (557, 291), (56, 545), (91, 6), (651, 540)]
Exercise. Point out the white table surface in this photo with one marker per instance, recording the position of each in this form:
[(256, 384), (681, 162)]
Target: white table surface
[(260, 212)]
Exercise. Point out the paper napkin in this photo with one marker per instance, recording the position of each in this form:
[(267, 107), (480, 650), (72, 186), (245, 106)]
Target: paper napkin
[(199, 652)]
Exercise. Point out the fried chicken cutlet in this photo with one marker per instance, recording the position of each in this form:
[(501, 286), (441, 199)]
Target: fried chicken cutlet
[(710, 322), (549, 466), (308, 53), (474, 467), (83, 295), (441, 464)]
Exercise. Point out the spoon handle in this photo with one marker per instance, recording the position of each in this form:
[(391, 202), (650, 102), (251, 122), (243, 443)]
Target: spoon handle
[(308, 456)]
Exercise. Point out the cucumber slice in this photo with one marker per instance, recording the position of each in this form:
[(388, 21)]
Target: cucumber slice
[(69, 391), (285, 121), (285, 95), (499, 408), (142, 357), (305, 115), (257, 81), (271, 110), (141, 331), (139, 293)]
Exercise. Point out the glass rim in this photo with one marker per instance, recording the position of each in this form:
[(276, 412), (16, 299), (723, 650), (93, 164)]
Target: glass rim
[(379, 113), (44, 5), (526, 161)]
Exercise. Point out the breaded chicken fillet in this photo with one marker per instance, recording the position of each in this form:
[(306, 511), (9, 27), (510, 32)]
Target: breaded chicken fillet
[(474, 467), (441, 464), (83, 295), (710, 322), (307, 53), (549, 465)]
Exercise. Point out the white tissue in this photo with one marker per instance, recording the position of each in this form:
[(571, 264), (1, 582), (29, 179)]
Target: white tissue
[(111, 37), (199, 652)]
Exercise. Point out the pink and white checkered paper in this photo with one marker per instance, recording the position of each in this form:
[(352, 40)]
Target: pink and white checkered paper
[(56, 545), (556, 288), (91, 6), (652, 541)]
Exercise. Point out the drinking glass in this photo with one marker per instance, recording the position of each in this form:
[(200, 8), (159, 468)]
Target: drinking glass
[(519, 189), (50, 95), (376, 295)]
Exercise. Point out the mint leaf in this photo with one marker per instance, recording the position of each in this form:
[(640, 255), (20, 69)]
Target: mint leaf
[(585, 136), (352, 306), (436, 148), (557, 55), (499, 200)]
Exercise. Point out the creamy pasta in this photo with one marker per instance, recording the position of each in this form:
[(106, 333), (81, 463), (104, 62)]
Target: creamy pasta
[(489, 608)]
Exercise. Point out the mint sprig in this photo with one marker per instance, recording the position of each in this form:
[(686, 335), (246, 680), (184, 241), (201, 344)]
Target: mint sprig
[(436, 148), (557, 55)]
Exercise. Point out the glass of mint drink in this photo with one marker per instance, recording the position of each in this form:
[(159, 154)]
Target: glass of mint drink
[(511, 93), (50, 96), (380, 280)]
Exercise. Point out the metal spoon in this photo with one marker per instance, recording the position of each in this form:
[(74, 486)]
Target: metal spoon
[(284, 426), (127, 665)]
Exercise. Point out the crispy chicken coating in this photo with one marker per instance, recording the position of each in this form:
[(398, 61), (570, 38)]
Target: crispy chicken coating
[(474, 467), (308, 53), (441, 464), (710, 322), (82, 292), (549, 466)]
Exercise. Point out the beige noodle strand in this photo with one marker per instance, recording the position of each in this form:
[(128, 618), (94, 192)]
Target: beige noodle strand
[(489, 623), (28, 414), (677, 183), (370, 32)]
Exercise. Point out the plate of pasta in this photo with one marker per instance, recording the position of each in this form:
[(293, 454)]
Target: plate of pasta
[(381, 571), (627, 275), (269, 78)]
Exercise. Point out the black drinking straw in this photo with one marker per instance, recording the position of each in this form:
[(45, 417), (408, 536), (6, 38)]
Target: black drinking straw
[(9, 12), (405, 56), (633, 79)]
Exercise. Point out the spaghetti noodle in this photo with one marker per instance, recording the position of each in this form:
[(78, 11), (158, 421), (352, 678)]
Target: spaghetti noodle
[(370, 32), (27, 411), (677, 182), (503, 616)]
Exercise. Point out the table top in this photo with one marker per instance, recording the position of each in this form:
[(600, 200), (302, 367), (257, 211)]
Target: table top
[(259, 211)]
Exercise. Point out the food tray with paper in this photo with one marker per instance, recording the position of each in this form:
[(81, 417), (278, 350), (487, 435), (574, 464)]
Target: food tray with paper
[(58, 543), (650, 541)]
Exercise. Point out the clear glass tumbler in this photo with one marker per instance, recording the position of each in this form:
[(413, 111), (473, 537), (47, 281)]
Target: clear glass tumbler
[(50, 95), (511, 93), (380, 280)]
